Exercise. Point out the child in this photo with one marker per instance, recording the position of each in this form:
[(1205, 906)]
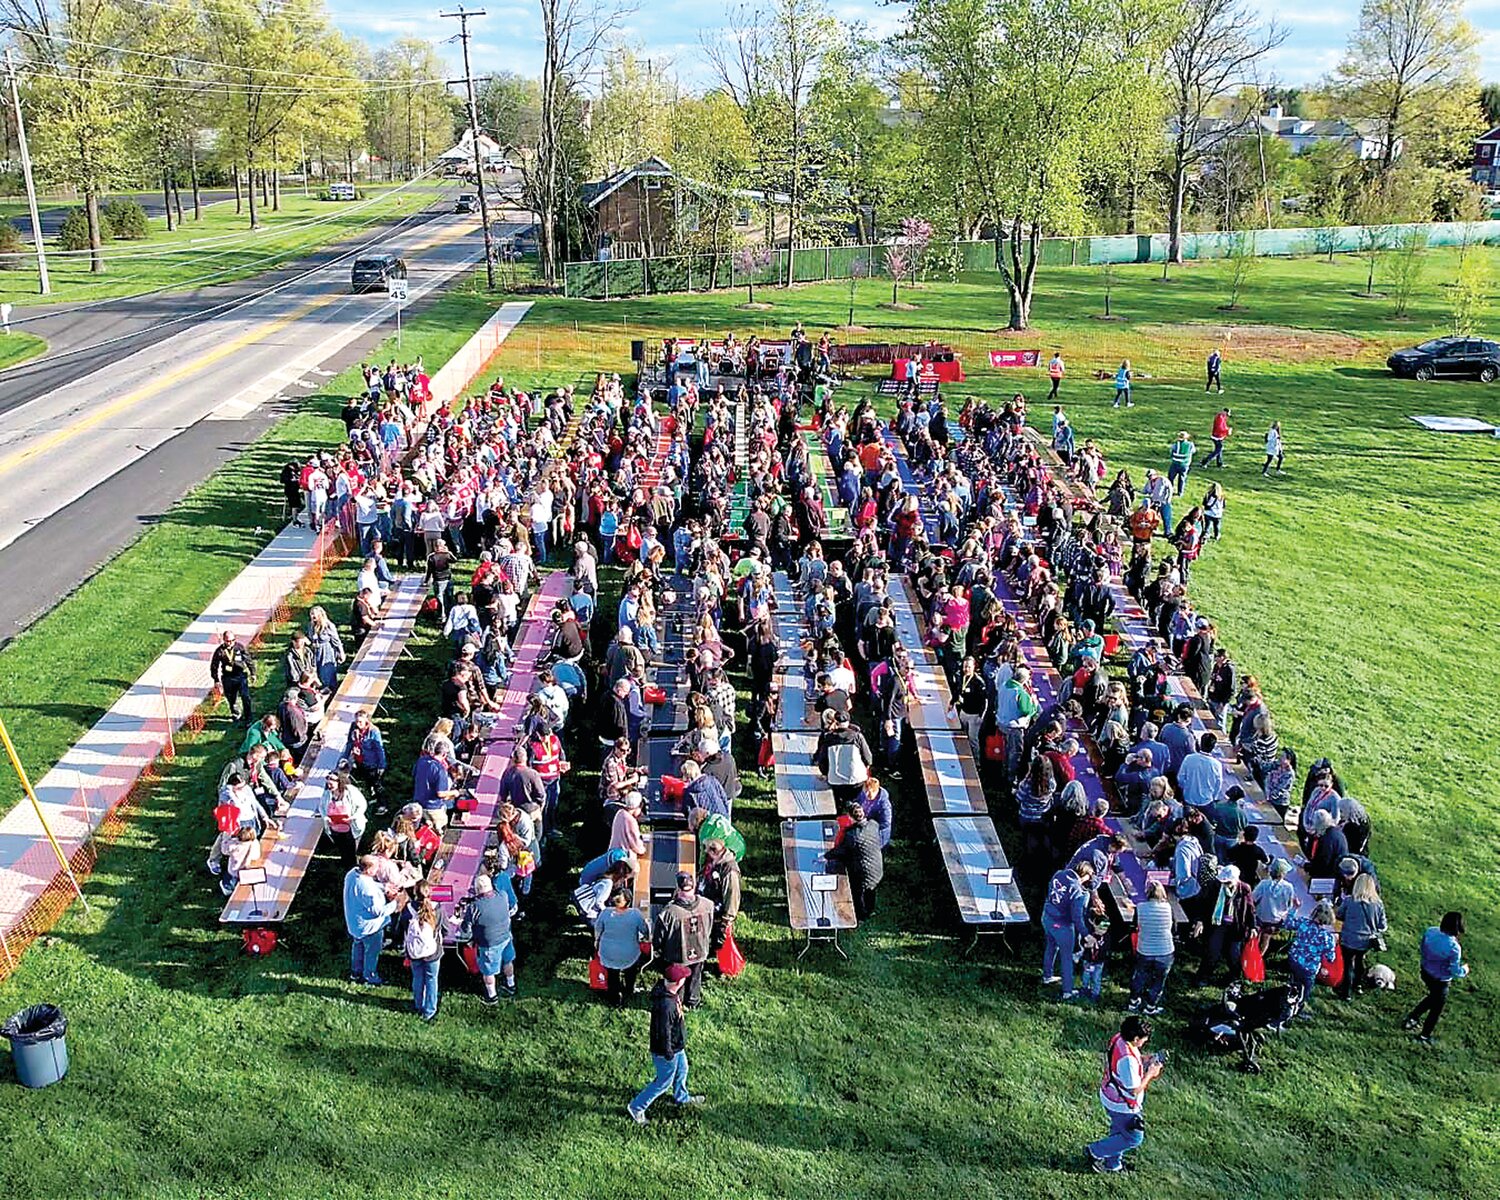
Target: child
[(1095, 949)]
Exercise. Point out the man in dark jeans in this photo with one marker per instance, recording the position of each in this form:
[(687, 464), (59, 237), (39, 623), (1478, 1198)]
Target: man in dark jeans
[(233, 670), (440, 577)]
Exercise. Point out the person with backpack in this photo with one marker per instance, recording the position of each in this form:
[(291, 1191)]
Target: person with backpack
[(423, 944), (858, 854), (1127, 1074), (843, 756)]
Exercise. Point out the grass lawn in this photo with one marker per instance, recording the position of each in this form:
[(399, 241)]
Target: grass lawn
[(1361, 586), (230, 250), (19, 347)]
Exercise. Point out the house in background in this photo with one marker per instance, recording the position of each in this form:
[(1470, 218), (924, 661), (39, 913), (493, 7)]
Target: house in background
[(1299, 134), (649, 209), (1486, 169)]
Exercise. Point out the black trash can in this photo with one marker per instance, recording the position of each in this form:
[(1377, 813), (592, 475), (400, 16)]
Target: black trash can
[(39, 1044)]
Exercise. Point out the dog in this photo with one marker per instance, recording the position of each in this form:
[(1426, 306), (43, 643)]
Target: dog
[(1381, 976)]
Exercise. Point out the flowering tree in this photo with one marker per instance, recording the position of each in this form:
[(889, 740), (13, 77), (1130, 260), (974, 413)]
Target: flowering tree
[(751, 261), (917, 234), (898, 261)]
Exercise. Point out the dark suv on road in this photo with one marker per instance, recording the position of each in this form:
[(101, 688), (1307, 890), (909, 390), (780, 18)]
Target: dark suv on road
[(1469, 357), (375, 272)]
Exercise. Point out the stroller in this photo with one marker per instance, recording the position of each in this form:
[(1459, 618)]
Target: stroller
[(1243, 1020)]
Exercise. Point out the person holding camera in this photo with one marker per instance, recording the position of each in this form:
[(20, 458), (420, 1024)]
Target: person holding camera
[(1127, 1074)]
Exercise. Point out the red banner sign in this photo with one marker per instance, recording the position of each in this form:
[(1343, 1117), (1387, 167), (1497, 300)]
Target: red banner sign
[(1015, 358)]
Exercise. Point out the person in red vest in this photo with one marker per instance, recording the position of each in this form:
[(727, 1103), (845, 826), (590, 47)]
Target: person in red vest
[(1220, 434), (1127, 1075), (547, 761)]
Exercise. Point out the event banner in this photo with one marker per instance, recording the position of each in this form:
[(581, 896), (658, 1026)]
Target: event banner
[(1015, 358)]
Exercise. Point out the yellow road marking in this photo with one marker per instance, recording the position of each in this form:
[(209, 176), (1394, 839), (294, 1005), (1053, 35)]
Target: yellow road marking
[(97, 415)]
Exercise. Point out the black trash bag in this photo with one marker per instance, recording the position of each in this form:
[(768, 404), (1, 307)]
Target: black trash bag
[(39, 1023)]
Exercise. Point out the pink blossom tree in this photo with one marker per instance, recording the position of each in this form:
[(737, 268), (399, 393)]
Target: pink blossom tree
[(751, 261), (897, 263), (917, 234)]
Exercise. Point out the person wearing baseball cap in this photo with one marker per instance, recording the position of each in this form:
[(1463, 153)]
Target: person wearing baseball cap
[(668, 1042), (681, 934)]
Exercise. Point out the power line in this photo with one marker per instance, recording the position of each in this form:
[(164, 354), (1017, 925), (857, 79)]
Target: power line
[(463, 14), (189, 86), (204, 62)]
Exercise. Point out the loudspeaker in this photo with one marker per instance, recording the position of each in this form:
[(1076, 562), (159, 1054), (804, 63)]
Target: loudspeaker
[(637, 351)]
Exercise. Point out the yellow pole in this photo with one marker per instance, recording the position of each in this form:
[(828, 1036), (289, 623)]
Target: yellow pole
[(15, 761)]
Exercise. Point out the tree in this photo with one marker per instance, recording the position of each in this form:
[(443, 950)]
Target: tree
[(713, 148), (1408, 257), (749, 262), (1218, 49), (1239, 262), (81, 107), (1404, 59), (573, 33), (1471, 285), (1033, 91), (510, 107), (859, 268), (916, 234), (1489, 103), (408, 116), (898, 261), (1376, 233), (633, 118)]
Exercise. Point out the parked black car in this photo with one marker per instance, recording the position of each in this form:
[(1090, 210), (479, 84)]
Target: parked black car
[(1470, 357)]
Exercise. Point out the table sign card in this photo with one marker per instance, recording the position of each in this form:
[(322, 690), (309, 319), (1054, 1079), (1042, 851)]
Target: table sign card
[(825, 883), (999, 876)]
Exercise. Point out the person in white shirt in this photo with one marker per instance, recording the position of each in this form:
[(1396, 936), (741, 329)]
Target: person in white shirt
[(541, 520), (1127, 1075), (369, 579)]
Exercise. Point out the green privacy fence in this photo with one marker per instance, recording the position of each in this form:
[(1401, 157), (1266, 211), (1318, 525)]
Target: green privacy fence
[(816, 264)]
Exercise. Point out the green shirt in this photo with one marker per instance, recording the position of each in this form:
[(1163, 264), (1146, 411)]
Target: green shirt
[(1182, 452)]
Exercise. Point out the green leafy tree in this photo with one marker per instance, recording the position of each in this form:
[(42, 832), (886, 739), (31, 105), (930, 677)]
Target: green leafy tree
[(1407, 259), (1405, 61), (1032, 90)]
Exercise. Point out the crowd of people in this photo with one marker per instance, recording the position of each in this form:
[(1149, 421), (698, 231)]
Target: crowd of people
[(1001, 543)]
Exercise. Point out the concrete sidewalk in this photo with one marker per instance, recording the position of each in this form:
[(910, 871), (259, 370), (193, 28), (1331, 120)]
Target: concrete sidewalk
[(103, 765)]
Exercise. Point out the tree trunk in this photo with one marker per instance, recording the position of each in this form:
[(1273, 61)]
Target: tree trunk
[(250, 189), (96, 239), (177, 200), (193, 176), (1174, 214), (239, 204), (275, 173), (166, 197)]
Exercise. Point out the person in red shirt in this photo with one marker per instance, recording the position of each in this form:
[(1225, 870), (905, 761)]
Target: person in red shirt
[(1220, 434)]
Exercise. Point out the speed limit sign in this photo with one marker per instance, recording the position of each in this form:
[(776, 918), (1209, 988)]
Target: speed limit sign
[(398, 290)]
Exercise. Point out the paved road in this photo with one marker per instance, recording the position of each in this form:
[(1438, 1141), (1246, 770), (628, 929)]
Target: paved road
[(82, 339), (52, 216), (86, 466)]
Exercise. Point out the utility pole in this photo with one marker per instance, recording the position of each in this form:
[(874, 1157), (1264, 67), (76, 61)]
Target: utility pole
[(463, 14), (36, 220)]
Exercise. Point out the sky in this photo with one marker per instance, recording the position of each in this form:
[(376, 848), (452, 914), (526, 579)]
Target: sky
[(508, 37)]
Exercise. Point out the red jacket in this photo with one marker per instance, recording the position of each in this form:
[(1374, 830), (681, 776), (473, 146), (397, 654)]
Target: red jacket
[(1221, 426)]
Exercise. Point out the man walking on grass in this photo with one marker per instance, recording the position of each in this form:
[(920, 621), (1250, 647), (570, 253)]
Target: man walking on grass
[(1220, 434), (1181, 451), (668, 1045)]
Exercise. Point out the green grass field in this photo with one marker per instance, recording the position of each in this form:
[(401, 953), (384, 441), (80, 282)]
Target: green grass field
[(226, 249), (19, 347), (1361, 586)]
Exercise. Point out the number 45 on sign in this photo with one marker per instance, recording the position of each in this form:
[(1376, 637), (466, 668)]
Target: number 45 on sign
[(398, 293)]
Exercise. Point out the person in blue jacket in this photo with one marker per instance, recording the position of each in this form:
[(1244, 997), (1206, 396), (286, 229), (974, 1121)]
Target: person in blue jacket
[(1442, 963), (1063, 923)]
